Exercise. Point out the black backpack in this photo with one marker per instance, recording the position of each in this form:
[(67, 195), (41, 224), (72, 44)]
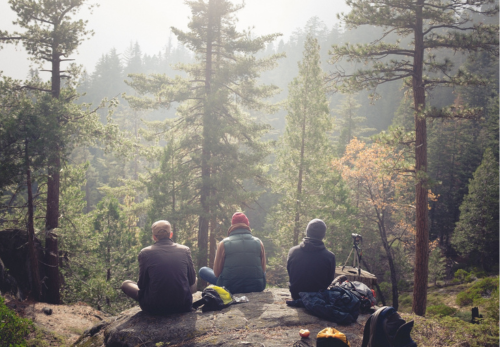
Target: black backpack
[(214, 298), (362, 292), (386, 328)]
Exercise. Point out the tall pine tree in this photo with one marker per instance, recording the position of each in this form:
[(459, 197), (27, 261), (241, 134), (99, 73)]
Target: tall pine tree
[(220, 139), (476, 233), (433, 25), (304, 153), (50, 35)]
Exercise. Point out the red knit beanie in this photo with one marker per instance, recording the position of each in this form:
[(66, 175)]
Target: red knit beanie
[(239, 218)]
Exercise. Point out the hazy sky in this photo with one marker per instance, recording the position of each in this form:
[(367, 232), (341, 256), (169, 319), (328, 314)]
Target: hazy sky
[(117, 23)]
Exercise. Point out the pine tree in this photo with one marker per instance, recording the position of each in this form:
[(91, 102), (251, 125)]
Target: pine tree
[(437, 265), (303, 151), (434, 24), (51, 34), (221, 140), (476, 234), (348, 124)]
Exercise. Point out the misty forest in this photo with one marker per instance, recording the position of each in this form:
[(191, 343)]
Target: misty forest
[(383, 122)]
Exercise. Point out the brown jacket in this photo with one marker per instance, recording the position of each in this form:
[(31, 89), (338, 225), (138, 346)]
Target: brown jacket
[(166, 272), (220, 255)]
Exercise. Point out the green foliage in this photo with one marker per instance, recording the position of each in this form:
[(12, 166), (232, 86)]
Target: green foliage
[(386, 289), (100, 248), (453, 331), (216, 145), (437, 265), (440, 310), (405, 302), (486, 287), (463, 276), (303, 152), (477, 231), (348, 124), (13, 329)]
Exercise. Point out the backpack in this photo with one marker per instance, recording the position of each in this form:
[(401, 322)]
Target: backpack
[(385, 327), (330, 337), (337, 305), (363, 292), (214, 298)]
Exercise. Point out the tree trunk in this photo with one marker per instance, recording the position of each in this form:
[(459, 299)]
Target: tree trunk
[(379, 291), (392, 268), (296, 229), (213, 233), (35, 272), (174, 203), (203, 222), (87, 187), (53, 183), (422, 232)]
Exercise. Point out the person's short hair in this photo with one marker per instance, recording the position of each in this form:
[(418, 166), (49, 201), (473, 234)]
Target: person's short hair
[(161, 229)]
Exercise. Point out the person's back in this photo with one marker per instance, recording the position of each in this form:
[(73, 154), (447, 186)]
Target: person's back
[(164, 285), (166, 275), (242, 272), (311, 267), (240, 261)]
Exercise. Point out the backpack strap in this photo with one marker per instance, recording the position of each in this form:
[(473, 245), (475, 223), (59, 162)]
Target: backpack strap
[(199, 303)]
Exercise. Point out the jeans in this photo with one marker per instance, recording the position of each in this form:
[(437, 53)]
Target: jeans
[(207, 274)]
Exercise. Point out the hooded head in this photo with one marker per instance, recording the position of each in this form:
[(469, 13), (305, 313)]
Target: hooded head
[(316, 229), (239, 218)]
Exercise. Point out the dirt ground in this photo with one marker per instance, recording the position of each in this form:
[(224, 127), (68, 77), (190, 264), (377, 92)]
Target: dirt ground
[(63, 326)]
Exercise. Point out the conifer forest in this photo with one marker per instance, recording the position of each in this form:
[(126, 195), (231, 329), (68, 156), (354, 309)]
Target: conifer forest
[(383, 122)]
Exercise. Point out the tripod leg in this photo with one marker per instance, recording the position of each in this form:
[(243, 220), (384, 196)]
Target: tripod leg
[(357, 261), (346, 260)]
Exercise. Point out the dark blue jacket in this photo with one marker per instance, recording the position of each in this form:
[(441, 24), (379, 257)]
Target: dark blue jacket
[(311, 267)]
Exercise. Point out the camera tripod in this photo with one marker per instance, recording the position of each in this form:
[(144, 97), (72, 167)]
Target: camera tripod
[(358, 255)]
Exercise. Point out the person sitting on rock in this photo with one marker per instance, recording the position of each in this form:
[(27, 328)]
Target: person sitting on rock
[(311, 267), (240, 261), (167, 277)]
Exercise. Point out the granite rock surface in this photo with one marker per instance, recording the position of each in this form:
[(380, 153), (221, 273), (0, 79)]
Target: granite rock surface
[(265, 320)]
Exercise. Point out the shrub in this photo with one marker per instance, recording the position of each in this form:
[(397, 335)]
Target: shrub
[(405, 300), (463, 276), (386, 289), (487, 287), (434, 299), (465, 316), (491, 307), (441, 310), (403, 285), (478, 272), (452, 331), (463, 299), (13, 329)]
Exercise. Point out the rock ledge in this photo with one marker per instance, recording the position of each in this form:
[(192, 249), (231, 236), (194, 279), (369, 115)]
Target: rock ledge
[(265, 320)]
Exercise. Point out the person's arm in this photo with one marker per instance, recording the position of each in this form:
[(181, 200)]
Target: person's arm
[(220, 257), (142, 273), (262, 256), (332, 270), (192, 279)]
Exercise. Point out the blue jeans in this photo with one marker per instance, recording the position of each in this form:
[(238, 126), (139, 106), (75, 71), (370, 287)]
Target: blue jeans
[(207, 274)]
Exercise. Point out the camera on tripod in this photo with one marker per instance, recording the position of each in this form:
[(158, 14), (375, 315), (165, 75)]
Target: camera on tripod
[(356, 238)]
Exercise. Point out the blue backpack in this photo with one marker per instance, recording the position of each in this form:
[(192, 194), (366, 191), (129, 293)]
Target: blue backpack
[(337, 305)]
